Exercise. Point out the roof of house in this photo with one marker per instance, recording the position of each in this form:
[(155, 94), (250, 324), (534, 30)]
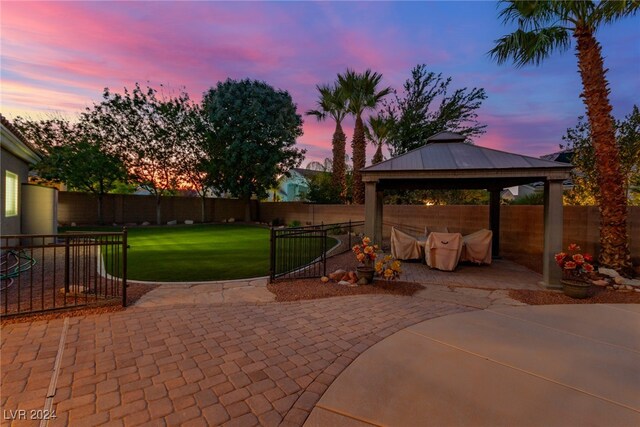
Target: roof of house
[(307, 173), (564, 156), (16, 143)]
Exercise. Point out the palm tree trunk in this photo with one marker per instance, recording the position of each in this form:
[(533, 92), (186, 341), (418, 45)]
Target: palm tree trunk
[(339, 149), (359, 160), (377, 157), (612, 201)]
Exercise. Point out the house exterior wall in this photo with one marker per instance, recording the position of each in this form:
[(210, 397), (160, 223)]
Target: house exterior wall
[(11, 163)]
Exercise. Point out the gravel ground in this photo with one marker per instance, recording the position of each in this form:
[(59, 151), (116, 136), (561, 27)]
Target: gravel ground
[(135, 291), (600, 296), (305, 289)]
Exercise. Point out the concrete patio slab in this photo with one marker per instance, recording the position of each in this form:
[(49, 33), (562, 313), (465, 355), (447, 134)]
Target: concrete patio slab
[(487, 368), (598, 326)]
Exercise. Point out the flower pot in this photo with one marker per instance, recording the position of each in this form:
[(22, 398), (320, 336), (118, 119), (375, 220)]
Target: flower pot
[(575, 288), (364, 272)]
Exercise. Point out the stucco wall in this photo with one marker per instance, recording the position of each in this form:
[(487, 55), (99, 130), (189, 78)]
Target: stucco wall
[(13, 164)]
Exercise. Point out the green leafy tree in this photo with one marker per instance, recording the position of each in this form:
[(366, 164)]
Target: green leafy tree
[(74, 156), (378, 132), (253, 131), (332, 102), (546, 26), (580, 142), (146, 128), (428, 106), (322, 190), (361, 89)]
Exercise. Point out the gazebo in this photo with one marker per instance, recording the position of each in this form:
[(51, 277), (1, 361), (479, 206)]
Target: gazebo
[(446, 162)]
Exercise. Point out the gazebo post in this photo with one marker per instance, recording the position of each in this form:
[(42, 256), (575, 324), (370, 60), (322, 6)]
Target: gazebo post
[(373, 212), (553, 225), (494, 220)]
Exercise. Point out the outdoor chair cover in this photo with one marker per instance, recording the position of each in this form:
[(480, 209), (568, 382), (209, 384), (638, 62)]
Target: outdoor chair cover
[(443, 250), (477, 247), (404, 246), (431, 229)]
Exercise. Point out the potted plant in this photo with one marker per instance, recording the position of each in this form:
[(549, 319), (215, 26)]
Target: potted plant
[(576, 268), (388, 268), (366, 255)]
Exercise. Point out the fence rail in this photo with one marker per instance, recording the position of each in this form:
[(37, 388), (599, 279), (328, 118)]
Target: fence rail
[(40, 273), (301, 252)]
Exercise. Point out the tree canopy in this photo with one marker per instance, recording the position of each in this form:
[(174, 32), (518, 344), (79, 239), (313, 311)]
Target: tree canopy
[(252, 136), (427, 106), (579, 140)]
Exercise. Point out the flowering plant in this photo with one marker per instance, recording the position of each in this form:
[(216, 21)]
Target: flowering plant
[(365, 252), (389, 268), (574, 264)]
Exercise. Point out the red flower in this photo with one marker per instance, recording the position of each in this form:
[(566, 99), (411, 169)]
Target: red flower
[(569, 265), (560, 258), (574, 247), (578, 258), (587, 267), (588, 258)]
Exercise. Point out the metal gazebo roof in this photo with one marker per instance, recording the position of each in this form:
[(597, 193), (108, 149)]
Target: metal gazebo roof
[(446, 158)]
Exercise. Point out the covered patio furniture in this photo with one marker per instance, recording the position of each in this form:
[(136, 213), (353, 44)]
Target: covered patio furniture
[(404, 246), (443, 250), (476, 247)]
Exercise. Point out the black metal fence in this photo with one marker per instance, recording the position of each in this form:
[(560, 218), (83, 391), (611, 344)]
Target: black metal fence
[(50, 272), (301, 252)]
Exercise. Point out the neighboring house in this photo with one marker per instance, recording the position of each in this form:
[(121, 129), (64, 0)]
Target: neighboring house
[(513, 193), (294, 187), (25, 208)]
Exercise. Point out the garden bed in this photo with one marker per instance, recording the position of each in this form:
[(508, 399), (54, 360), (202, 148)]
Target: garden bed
[(306, 289), (600, 296), (135, 291)]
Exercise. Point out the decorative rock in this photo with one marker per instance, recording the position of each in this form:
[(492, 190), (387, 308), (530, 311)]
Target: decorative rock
[(337, 275), (73, 224), (344, 283), (636, 290), (363, 281), (231, 220), (188, 221), (324, 279), (608, 272), (174, 222), (619, 280), (146, 223), (224, 220), (600, 282), (610, 288), (115, 224)]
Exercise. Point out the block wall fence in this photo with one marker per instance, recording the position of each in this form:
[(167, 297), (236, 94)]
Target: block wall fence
[(521, 229)]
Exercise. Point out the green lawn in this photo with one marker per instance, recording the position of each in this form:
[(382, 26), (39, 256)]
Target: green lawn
[(196, 252)]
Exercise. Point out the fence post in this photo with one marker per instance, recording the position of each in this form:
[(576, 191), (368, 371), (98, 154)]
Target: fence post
[(349, 233), (66, 265), (324, 253), (124, 266), (272, 256)]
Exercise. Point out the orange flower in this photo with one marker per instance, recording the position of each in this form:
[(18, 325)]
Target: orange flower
[(578, 258), (368, 250), (366, 241), (588, 258), (587, 267), (569, 265), (356, 249), (360, 257), (574, 247)]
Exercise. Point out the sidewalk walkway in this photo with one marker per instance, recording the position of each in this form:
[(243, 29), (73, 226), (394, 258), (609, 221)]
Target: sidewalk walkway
[(516, 366)]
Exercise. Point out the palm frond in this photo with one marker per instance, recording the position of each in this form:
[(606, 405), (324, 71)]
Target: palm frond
[(530, 47)]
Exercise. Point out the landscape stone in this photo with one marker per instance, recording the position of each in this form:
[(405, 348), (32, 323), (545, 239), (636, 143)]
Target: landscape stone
[(608, 272), (174, 222), (344, 283), (231, 220), (146, 223), (363, 281), (188, 221)]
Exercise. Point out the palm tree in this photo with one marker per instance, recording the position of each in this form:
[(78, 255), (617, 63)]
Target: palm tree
[(378, 132), (333, 103), (545, 26), (363, 94)]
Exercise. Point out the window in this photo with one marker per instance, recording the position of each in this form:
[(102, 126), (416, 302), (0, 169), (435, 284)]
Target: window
[(10, 194)]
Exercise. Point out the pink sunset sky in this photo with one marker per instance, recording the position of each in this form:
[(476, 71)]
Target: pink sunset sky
[(58, 57)]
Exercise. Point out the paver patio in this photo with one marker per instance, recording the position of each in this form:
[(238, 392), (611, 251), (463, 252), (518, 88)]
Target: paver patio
[(196, 354)]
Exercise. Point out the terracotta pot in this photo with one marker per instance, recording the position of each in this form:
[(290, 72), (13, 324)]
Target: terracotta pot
[(366, 273), (575, 288)]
